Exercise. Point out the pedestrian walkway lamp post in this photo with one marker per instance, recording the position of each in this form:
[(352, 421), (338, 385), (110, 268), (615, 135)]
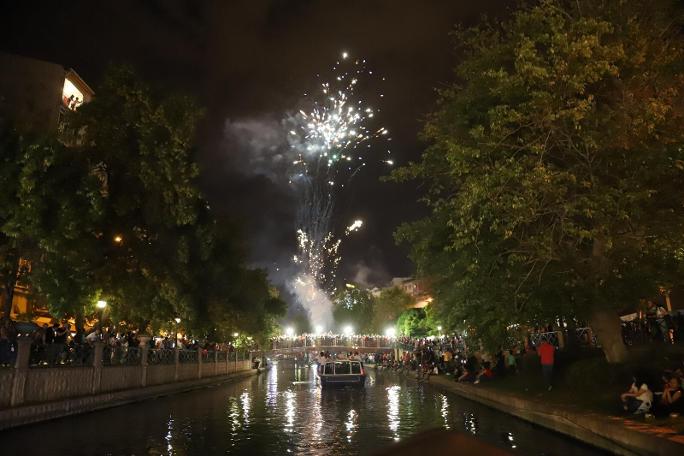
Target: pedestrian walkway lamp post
[(348, 331), (175, 337), (318, 335), (289, 332), (101, 305)]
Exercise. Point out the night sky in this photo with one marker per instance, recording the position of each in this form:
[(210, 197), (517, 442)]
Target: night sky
[(248, 62)]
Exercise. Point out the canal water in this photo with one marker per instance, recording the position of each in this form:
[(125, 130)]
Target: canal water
[(283, 411)]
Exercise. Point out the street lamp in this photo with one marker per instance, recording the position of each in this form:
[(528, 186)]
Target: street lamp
[(101, 305), (319, 329), (439, 328), (118, 239), (289, 331), (348, 330), (236, 334), (390, 332)]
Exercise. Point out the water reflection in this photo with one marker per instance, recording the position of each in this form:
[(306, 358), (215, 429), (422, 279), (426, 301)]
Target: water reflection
[(470, 423), (169, 436), (233, 420), (316, 414), (445, 411), (246, 402), (393, 410), (289, 410), (272, 388), (271, 415), (351, 424)]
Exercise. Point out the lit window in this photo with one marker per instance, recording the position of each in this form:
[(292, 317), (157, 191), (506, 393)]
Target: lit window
[(71, 96)]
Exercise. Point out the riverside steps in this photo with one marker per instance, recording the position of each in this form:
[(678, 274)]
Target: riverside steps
[(32, 393)]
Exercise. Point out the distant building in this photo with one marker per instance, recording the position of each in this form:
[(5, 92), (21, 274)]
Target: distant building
[(416, 288), (36, 96)]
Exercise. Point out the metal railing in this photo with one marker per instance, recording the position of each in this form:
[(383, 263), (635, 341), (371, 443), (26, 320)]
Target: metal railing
[(187, 356), (550, 337), (118, 356), (161, 356), (60, 355)]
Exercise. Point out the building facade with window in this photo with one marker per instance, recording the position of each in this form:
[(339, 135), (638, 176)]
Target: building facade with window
[(35, 97)]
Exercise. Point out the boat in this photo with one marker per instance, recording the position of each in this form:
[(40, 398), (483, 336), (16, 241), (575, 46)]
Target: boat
[(342, 372)]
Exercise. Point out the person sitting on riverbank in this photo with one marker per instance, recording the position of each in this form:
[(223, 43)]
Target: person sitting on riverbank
[(671, 402), (467, 376), (469, 370), (486, 374), (638, 399)]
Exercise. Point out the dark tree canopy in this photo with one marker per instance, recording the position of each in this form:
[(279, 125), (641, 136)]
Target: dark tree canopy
[(119, 216), (555, 168)]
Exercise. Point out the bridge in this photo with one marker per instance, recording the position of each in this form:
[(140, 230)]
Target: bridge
[(311, 343)]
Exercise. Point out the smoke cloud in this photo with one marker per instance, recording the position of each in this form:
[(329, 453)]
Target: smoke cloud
[(261, 145), (314, 300)]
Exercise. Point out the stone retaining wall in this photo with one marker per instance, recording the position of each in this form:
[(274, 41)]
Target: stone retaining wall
[(29, 394), (27, 414)]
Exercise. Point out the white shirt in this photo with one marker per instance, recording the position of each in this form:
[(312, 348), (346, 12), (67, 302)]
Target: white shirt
[(643, 394)]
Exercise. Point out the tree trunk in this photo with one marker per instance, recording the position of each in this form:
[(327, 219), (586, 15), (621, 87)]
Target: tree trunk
[(606, 327), (79, 321), (8, 291)]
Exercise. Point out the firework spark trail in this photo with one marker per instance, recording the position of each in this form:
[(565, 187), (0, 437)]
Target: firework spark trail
[(328, 139)]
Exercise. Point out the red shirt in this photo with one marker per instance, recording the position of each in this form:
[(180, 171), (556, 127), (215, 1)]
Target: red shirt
[(546, 351)]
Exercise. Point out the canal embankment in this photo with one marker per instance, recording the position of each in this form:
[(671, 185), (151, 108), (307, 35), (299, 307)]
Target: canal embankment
[(616, 434), (30, 394)]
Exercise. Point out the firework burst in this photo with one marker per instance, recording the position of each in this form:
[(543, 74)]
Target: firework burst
[(330, 138)]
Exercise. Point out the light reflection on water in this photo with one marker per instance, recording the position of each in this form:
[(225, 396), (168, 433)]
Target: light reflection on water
[(246, 402), (272, 388), (470, 422), (445, 411), (284, 411), (351, 424), (393, 410), (289, 410), (169, 436)]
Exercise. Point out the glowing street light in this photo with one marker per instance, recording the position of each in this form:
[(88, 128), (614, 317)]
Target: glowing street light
[(236, 334), (289, 331), (319, 329), (390, 332), (348, 330), (118, 239), (177, 320), (101, 304), (439, 328)]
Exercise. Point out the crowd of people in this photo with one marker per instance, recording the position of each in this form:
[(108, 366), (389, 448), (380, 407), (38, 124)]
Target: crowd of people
[(57, 344), (653, 324), (449, 356)]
